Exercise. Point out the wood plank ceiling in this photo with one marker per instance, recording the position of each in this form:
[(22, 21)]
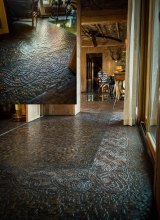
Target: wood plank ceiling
[(103, 23), (104, 4)]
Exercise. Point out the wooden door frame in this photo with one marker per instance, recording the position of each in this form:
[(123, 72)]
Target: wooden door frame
[(144, 106), (143, 61), (157, 165), (3, 19)]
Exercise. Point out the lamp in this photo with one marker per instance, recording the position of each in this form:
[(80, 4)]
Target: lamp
[(119, 68)]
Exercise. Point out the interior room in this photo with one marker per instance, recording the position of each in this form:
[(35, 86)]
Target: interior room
[(97, 158), (105, 35)]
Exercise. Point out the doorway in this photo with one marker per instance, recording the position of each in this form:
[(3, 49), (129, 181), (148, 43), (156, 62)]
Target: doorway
[(94, 64)]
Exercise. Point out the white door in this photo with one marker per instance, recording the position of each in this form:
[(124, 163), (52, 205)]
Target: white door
[(32, 112)]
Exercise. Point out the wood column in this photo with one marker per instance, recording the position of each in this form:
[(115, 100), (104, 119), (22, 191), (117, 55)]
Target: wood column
[(143, 60), (77, 106)]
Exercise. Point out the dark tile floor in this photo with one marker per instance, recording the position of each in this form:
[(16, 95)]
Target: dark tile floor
[(85, 167), (8, 124), (34, 63)]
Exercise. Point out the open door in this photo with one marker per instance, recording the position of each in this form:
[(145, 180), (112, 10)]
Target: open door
[(94, 64), (32, 112)]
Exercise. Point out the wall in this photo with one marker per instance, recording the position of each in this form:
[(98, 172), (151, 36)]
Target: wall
[(57, 109), (108, 65), (32, 112)]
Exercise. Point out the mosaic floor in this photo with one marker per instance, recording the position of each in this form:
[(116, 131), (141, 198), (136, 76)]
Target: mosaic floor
[(34, 64), (9, 124), (85, 167)]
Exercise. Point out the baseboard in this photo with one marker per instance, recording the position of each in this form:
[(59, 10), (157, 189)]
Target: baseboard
[(151, 145), (147, 140)]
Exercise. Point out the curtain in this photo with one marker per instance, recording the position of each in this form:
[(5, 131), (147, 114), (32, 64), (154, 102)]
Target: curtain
[(132, 62)]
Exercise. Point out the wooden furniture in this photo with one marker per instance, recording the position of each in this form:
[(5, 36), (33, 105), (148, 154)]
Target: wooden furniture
[(103, 82), (3, 19), (118, 87), (119, 76), (20, 114)]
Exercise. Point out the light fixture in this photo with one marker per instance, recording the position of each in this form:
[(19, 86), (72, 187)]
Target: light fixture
[(119, 68)]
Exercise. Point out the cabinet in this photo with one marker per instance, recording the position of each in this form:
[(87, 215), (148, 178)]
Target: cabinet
[(3, 19)]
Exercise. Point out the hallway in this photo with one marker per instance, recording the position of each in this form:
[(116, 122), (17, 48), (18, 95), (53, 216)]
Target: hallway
[(87, 166)]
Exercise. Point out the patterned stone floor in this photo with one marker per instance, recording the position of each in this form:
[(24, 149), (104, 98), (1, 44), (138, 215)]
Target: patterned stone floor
[(8, 124), (85, 167), (34, 62)]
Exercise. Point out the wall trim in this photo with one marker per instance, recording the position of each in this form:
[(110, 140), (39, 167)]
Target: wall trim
[(151, 146)]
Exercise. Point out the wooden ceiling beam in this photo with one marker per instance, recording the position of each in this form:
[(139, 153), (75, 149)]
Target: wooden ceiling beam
[(96, 17), (101, 44), (100, 28)]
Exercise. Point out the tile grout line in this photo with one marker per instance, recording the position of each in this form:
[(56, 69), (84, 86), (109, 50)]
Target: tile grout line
[(12, 129)]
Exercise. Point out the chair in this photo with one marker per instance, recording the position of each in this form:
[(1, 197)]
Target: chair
[(103, 82), (111, 86)]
